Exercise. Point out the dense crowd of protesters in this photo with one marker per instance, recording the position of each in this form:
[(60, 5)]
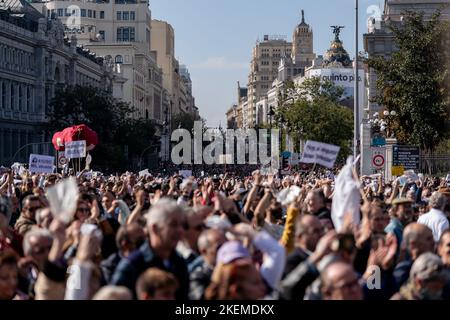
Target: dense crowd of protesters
[(222, 236)]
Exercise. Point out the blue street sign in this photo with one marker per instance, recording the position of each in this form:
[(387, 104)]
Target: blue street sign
[(378, 141)]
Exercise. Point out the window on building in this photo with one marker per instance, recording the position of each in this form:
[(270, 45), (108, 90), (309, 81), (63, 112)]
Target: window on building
[(67, 12), (125, 34), (118, 59), (89, 13), (20, 98), (102, 34), (125, 15), (119, 15), (94, 14), (3, 95), (83, 12), (102, 14), (132, 15), (12, 100), (60, 12)]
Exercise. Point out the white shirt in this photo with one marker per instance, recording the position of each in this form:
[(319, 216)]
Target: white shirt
[(436, 220)]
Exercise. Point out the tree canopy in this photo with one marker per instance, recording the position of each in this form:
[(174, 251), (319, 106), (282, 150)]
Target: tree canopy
[(414, 81), (120, 136), (312, 111)]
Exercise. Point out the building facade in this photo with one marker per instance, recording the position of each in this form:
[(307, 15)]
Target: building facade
[(274, 61), (120, 31), (36, 59), (266, 56), (176, 77)]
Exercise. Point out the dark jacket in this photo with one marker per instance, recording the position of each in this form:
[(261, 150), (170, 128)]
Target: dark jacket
[(293, 260), (293, 287), (324, 213), (109, 265), (200, 278), (401, 273), (129, 269)]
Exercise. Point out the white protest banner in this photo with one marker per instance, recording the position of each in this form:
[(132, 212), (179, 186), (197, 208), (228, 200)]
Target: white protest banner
[(144, 173), (185, 173), (346, 199), (41, 164), (320, 153), (63, 199), (75, 149)]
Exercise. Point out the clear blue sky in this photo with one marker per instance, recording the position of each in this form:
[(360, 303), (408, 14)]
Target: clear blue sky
[(214, 38)]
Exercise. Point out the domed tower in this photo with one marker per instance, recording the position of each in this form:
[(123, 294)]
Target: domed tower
[(303, 49), (337, 56)]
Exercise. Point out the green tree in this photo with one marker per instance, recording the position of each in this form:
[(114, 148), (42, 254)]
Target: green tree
[(413, 81), (184, 120), (312, 111), (120, 136)]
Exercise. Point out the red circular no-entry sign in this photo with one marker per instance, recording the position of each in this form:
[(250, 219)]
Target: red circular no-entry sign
[(378, 160)]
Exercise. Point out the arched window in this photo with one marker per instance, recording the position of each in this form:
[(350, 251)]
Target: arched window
[(119, 59)]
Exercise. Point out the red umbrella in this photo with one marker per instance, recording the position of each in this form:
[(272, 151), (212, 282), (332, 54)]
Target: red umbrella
[(76, 133), (58, 141)]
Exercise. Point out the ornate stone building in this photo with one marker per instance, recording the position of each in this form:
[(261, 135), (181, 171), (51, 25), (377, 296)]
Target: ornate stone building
[(36, 59)]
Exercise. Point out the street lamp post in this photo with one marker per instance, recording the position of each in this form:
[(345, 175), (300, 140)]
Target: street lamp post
[(27, 145), (356, 98)]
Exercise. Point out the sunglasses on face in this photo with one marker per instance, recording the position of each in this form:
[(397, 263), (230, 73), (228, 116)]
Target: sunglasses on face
[(84, 209)]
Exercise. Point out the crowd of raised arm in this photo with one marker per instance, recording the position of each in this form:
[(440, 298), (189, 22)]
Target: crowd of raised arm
[(241, 235)]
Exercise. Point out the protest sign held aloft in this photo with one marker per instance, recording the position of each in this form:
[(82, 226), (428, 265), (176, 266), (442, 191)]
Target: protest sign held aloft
[(320, 153), (41, 164)]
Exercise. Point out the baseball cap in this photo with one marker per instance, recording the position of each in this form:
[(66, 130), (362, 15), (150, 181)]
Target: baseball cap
[(231, 251)]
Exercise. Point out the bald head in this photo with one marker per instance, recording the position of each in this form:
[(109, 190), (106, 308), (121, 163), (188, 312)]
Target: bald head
[(340, 282), (308, 231), (418, 239)]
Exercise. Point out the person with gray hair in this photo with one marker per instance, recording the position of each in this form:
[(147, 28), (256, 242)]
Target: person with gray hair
[(193, 227), (113, 293), (201, 269), (436, 219), (165, 226), (426, 279), (36, 247), (44, 218)]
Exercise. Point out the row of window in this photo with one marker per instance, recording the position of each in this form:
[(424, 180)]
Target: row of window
[(15, 96), (15, 59), (67, 12), (126, 15)]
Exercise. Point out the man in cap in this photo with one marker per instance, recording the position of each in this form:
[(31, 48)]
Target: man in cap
[(426, 280), (402, 214)]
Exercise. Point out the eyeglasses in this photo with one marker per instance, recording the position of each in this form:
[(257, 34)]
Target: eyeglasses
[(33, 209), (84, 209)]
